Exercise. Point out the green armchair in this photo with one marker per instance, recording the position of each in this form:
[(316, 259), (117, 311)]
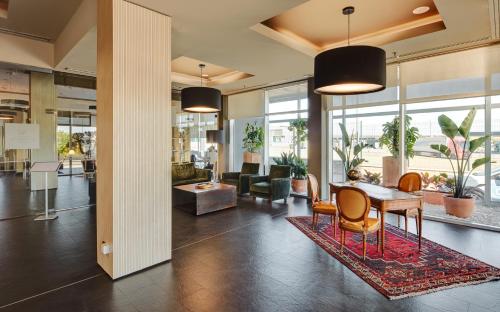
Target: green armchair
[(186, 173), (241, 179), (274, 186)]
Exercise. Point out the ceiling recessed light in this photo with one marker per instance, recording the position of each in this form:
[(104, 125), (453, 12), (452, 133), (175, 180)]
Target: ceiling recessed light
[(421, 10)]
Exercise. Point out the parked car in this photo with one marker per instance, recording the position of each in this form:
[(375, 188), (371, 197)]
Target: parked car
[(477, 181)]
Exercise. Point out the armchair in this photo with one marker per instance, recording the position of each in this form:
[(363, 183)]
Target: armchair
[(241, 179), (274, 186)]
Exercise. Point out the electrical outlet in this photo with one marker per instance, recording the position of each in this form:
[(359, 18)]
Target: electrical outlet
[(106, 249)]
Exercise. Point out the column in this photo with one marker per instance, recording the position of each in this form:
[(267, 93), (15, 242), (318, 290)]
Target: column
[(133, 137), (43, 113)]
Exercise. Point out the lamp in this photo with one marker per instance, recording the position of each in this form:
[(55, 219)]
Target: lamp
[(215, 136), (200, 99), (351, 69), (7, 115)]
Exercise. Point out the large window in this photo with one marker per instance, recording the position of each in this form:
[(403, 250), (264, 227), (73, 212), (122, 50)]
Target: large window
[(285, 106), (76, 140), (422, 91)]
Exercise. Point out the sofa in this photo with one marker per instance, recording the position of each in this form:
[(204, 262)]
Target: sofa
[(187, 173), (274, 186), (241, 179)]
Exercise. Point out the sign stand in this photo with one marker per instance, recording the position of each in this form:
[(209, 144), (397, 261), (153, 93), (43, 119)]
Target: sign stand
[(46, 167)]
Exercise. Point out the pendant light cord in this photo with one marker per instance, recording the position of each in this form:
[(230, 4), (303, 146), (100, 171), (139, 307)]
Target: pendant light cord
[(201, 76), (348, 29)]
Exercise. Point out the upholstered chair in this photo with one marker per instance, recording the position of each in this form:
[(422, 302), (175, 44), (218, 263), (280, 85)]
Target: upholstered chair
[(320, 207), (354, 206), (410, 182), (241, 179), (274, 186)]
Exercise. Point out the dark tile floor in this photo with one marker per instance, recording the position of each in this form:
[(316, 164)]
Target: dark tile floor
[(244, 259), (17, 200)]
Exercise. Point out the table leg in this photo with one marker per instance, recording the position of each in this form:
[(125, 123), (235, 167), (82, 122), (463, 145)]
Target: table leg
[(46, 195), (420, 217), (382, 230)]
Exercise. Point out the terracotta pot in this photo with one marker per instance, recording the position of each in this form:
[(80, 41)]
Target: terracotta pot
[(459, 207), (434, 197), (390, 171), (299, 186), (253, 158)]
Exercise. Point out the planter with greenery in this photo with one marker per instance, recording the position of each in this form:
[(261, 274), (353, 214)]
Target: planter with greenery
[(350, 154), (390, 138), (460, 203), (435, 187), (298, 168), (253, 142)]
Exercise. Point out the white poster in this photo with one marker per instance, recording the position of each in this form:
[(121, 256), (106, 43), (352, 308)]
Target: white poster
[(22, 136)]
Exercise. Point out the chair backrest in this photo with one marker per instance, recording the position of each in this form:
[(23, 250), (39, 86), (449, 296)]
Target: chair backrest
[(250, 168), (410, 182), (279, 171), (353, 203), (314, 187)]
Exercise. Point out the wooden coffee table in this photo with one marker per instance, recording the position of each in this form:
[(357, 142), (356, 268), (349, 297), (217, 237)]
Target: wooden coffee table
[(200, 201)]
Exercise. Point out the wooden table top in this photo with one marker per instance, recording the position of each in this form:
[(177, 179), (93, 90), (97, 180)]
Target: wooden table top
[(379, 192), (192, 187)]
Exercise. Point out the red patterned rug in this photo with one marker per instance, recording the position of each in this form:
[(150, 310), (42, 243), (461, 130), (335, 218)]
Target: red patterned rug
[(403, 271)]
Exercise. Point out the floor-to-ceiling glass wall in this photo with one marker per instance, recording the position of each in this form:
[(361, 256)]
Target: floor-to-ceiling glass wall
[(286, 124), (76, 141), (448, 85)]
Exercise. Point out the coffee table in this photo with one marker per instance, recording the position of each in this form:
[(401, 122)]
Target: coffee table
[(200, 201)]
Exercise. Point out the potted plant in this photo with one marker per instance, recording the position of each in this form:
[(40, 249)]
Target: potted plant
[(435, 187), (253, 142), (350, 154), (298, 169), (390, 138), (372, 177), (460, 203), (299, 129)]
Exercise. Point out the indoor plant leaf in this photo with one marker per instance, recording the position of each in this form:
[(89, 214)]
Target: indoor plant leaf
[(448, 127), (476, 143), (464, 129), (443, 149), (479, 162)]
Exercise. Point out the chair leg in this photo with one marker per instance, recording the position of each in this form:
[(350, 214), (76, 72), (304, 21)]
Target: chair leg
[(285, 199), (406, 225), (314, 221), (399, 221), (416, 223), (334, 226), (378, 239), (342, 238), (364, 246)]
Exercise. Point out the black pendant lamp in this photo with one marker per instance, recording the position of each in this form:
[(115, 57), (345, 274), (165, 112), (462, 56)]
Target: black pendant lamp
[(351, 69), (200, 99)]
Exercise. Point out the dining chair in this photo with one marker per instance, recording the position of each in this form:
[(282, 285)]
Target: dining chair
[(320, 207), (354, 207), (409, 183)]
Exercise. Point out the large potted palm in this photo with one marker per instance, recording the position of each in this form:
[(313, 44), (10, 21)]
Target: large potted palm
[(390, 138), (460, 203), (253, 142)]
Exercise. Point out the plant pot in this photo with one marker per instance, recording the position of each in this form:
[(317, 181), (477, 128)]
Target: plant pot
[(459, 207), (299, 186), (434, 197), (253, 158), (390, 171)]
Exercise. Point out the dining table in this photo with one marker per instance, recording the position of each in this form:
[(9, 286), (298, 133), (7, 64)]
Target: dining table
[(386, 199)]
